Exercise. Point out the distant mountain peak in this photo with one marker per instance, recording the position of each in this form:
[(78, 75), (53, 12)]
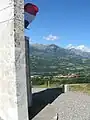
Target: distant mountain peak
[(53, 46), (82, 48)]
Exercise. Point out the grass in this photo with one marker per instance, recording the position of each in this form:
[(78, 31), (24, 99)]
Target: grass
[(40, 86), (85, 88), (45, 86)]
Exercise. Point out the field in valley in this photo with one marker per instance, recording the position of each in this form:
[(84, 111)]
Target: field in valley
[(85, 88)]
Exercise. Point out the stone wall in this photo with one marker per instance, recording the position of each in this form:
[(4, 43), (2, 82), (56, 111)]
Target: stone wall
[(13, 88)]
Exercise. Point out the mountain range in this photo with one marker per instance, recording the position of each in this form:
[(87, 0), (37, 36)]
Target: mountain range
[(83, 48), (54, 59)]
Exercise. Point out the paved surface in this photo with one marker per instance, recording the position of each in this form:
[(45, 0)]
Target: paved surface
[(69, 106)]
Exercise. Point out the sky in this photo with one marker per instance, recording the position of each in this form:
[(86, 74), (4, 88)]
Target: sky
[(61, 22)]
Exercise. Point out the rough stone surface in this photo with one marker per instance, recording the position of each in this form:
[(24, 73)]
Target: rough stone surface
[(13, 89), (69, 106), (1, 118)]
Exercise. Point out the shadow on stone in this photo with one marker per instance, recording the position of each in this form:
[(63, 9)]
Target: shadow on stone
[(43, 98)]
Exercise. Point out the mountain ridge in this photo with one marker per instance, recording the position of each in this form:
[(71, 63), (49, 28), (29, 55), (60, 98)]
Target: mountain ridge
[(52, 58), (53, 47)]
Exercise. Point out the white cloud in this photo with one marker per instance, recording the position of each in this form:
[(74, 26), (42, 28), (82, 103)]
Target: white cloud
[(51, 37), (80, 47)]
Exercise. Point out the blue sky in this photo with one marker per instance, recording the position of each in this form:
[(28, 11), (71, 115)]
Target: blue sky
[(61, 22)]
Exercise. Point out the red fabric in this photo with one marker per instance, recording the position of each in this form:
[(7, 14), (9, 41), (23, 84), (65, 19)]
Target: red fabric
[(31, 8)]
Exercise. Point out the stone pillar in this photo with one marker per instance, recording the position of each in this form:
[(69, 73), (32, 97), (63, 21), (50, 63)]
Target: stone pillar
[(48, 84), (13, 88), (66, 88), (29, 87)]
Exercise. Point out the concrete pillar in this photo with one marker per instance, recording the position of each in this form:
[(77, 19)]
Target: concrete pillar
[(29, 86), (66, 88), (13, 88), (48, 84)]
